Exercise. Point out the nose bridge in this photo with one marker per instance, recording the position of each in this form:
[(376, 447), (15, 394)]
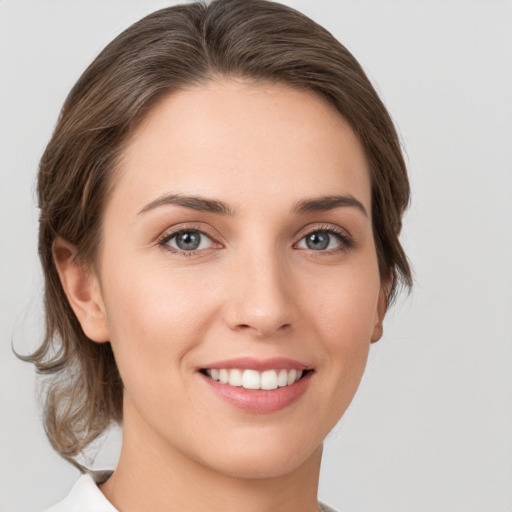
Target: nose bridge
[(260, 299)]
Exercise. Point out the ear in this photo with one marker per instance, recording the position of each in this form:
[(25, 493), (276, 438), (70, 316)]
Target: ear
[(382, 306), (82, 289)]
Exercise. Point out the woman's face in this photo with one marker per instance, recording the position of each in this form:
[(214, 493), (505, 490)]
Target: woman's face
[(237, 245)]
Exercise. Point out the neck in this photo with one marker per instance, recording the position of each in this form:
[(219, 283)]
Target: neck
[(151, 475)]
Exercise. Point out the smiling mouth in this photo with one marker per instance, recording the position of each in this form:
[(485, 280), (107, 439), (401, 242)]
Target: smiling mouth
[(253, 379)]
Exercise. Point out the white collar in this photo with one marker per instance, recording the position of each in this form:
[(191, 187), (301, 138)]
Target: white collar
[(85, 495)]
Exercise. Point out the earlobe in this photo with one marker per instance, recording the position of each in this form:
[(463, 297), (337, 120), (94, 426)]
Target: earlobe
[(378, 331), (382, 306), (82, 290)]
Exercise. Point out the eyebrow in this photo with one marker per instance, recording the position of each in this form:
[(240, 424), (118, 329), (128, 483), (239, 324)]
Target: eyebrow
[(202, 204), (325, 203)]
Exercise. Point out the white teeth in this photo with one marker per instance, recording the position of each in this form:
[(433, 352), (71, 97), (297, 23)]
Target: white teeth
[(252, 379), (269, 379), (223, 376), (235, 378), (282, 379)]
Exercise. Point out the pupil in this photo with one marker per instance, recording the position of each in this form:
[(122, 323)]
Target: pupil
[(318, 241), (188, 241)]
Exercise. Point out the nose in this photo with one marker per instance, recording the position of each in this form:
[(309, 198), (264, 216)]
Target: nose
[(261, 298)]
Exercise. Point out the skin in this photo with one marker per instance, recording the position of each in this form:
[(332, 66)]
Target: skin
[(253, 289)]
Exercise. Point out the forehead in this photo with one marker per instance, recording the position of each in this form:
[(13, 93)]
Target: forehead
[(242, 142)]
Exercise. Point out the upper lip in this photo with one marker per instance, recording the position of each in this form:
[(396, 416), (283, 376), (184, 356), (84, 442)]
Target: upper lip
[(250, 363)]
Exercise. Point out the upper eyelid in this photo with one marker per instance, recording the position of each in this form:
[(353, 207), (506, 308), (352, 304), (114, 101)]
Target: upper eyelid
[(163, 242), (343, 236), (313, 227), (340, 234), (170, 236), (169, 233)]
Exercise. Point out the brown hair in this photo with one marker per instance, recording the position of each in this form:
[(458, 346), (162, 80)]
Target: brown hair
[(162, 53)]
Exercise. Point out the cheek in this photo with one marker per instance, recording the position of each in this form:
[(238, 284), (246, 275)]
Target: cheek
[(343, 306), (343, 313), (154, 320), (148, 299)]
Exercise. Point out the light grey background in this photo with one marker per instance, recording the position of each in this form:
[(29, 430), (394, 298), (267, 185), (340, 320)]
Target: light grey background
[(431, 427)]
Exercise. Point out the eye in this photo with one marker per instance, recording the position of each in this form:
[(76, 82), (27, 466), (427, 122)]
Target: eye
[(325, 240), (188, 240)]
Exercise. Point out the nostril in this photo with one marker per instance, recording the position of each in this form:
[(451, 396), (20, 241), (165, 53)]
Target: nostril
[(262, 329)]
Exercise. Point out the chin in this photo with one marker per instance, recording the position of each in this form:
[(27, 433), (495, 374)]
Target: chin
[(262, 459)]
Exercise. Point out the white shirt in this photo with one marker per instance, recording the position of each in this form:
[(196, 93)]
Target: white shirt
[(85, 496)]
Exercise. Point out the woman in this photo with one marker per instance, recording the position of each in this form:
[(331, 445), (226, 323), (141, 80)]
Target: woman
[(220, 208)]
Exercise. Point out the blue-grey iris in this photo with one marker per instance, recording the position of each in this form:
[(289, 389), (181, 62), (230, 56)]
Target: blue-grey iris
[(188, 240), (318, 240)]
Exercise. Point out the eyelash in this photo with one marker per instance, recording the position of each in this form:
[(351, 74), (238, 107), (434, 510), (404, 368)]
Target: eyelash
[(164, 240), (346, 241)]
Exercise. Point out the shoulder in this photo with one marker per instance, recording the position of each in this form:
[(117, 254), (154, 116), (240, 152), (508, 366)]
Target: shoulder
[(85, 496)]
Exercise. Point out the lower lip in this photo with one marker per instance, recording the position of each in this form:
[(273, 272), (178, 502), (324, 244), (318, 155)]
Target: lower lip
[(259, 400)]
